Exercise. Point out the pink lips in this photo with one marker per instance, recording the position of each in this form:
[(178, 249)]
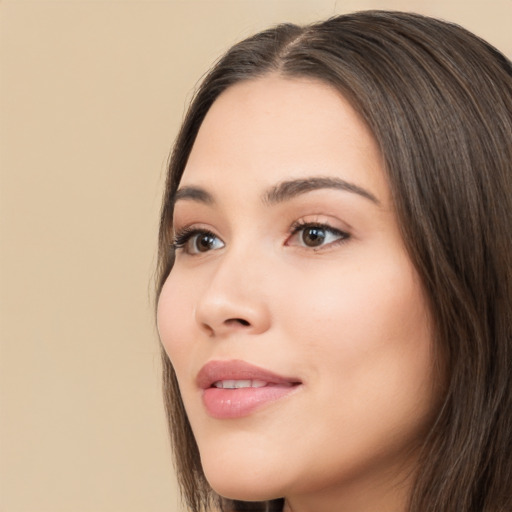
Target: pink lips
[(233, 389)]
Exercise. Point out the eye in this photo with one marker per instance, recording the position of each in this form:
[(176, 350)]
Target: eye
[(196, 241), (315, 235)]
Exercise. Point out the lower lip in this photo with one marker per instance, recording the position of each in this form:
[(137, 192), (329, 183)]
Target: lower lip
[(237, 403)]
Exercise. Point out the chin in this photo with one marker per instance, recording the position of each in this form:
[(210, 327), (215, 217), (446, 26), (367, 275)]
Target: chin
[(243, 464), (246, 491), (243, 484)]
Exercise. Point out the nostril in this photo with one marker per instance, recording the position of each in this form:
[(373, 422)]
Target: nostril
[(240, 321), (208, 329)]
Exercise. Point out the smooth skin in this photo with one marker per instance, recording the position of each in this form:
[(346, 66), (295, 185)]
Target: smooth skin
[(313, 283)]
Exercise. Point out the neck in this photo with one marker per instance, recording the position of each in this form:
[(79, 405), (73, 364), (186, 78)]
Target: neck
[(384, 496)]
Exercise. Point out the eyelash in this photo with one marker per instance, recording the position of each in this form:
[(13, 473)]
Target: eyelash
[(183, 236)]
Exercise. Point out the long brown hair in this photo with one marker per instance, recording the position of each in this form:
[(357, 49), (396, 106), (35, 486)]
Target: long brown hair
[(439, 103)]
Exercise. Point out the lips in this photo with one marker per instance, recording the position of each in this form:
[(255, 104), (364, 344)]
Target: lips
[(234, 389)]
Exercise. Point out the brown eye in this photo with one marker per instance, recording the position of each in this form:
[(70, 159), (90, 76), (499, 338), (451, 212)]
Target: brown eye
[(196, 241), (203, 242), (313, 236), (316, 236)]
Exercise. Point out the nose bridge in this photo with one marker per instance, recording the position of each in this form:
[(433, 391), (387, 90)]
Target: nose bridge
[(234, 297)]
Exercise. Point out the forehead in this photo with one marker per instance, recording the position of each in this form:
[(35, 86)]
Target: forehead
[(272, 128)]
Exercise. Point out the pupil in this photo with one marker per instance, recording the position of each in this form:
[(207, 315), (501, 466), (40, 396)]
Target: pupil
[(313, 237), (204, 243)]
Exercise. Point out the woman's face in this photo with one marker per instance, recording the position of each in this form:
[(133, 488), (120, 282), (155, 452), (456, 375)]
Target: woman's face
[(293, 316)]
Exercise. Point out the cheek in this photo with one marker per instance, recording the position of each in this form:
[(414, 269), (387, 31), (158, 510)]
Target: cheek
[(356, 305), (367, 332), (366, 344), (174, 320)]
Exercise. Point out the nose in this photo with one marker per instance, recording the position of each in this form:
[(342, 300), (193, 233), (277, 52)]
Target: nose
[(234, 298)]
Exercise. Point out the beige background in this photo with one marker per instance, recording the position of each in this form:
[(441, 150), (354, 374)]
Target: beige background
[(91, 96)]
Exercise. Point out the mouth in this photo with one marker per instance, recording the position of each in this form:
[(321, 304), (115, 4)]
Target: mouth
[(241, 384), (234, 389)]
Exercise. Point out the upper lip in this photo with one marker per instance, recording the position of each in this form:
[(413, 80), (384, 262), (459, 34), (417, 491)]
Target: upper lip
[(215, 371)]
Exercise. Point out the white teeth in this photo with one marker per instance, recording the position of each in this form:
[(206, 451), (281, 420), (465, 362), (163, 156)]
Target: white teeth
[(242, 384), (237, 384)]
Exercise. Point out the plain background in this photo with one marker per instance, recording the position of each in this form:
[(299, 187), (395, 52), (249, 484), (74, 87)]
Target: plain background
[(92, 93)]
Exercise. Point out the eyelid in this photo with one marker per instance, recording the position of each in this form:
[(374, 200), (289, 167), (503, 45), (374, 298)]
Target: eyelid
[(180, 230)]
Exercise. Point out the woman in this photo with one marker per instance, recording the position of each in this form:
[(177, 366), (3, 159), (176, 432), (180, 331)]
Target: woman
[(335, 288)]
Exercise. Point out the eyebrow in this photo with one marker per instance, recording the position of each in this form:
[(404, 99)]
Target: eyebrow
[(293, 188), (281, 192), (192, 194)]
